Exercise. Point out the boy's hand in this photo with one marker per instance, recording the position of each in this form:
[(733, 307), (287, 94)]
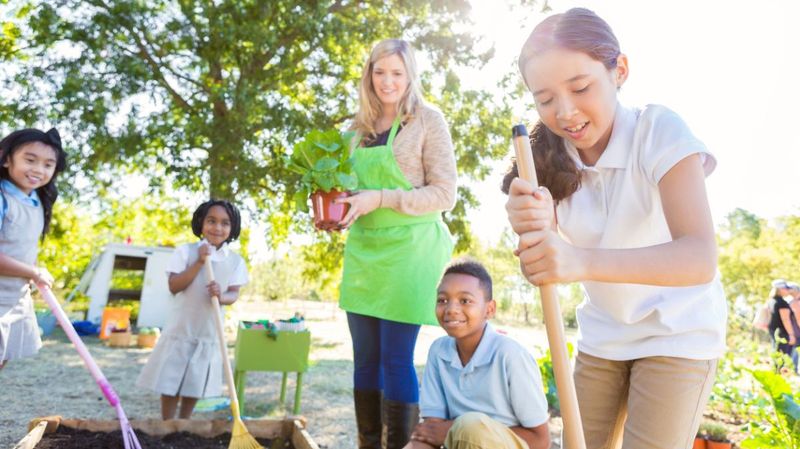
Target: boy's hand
[(432, 431), (43, 277), (203, 252), (214, 289), (529, 209)]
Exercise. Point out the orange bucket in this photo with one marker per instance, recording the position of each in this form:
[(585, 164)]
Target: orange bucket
[(114, 317)]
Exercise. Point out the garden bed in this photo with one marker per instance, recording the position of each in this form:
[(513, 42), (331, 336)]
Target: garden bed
[(54, 432)]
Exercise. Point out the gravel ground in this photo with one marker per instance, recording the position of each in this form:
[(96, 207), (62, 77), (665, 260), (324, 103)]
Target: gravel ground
[(56, 382)]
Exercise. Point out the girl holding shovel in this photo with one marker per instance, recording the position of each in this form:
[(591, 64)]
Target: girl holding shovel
[(625, 191), (186, 363), (397, 245)]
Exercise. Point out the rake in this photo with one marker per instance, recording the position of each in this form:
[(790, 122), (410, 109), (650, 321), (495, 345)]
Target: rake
[(567, 397), (240, 437), (128, 436)]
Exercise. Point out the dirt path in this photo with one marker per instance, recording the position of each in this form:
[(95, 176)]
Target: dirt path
[(56, 382)]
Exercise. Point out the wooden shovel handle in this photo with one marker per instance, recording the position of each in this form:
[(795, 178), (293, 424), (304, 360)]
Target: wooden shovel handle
[(222, 346), (571, 418)]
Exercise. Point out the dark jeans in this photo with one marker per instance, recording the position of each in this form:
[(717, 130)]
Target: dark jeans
[(383, 354)]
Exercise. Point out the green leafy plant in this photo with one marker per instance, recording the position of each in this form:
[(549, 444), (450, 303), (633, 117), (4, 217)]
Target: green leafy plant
[(777, 426), (323, 161), (713, 431), (549, 380), (149, 331)]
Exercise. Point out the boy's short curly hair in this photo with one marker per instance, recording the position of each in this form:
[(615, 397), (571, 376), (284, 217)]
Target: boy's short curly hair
[(475, 269), (233, 214)]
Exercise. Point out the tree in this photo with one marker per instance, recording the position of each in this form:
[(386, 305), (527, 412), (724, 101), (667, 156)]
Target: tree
[(209, 96)]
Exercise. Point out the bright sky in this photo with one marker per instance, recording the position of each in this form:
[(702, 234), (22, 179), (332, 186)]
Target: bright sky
[(729, 68)]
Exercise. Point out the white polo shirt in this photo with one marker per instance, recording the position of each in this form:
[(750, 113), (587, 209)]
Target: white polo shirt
[(619, 206)]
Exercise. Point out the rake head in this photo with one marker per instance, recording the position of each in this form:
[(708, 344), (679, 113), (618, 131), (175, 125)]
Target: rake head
[(128, 436), (241, 438)]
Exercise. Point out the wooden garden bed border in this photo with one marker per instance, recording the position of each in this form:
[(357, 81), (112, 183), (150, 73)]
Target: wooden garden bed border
[(292, 428)]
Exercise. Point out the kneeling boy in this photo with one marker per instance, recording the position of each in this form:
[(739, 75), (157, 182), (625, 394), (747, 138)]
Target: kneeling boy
[(480, 389)]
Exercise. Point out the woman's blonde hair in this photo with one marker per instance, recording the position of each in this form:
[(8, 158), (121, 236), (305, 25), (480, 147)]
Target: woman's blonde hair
[(370, 106)]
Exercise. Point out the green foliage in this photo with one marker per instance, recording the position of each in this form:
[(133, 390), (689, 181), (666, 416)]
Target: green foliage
[(753, 252), (713, 431), (549, 380), (207, 96), (323, 161), (127, 279), (76, 235), (78, 304), (779, 426), (733, 393)]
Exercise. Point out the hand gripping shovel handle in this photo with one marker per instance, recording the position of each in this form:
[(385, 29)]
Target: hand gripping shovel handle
[(573, 428), (222, 345), (63, 320)]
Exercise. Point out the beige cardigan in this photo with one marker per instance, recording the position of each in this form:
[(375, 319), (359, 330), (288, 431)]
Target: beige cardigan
[(424, 152)]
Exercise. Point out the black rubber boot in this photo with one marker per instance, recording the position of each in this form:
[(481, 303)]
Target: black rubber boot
[(399, 420), (368, 418)]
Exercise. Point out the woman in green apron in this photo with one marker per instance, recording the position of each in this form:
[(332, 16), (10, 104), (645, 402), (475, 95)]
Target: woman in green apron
[(397, 244)]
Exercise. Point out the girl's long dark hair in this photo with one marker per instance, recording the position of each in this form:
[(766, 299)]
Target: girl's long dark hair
[(48, 193), (578, 29)]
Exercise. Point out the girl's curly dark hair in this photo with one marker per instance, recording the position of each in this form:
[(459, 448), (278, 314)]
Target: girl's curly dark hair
[(233, 214)]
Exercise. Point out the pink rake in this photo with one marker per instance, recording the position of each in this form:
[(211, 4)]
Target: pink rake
[(128, 437)]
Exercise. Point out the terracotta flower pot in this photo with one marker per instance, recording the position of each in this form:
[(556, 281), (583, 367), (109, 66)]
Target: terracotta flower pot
[(146, 340), (328, 214), (699, 443), (718, 444), (120, 339)]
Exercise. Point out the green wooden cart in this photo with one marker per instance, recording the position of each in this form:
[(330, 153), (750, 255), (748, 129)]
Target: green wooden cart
[(288, 353)]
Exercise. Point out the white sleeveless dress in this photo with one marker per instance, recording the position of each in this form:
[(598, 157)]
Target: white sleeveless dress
[(186, 360)]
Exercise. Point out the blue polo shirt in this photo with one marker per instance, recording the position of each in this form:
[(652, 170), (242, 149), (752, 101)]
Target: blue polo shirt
[(8, 188), (501, 381)]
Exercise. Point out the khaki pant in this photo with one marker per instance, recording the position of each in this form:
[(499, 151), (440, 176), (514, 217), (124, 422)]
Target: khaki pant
[(475, 430), (649, 403)]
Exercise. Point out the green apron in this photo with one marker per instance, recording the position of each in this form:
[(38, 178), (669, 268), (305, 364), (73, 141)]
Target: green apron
[(392, 261)]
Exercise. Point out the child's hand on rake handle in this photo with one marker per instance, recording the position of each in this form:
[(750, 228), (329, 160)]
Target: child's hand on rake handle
[(203, 252), (545, 258), (42, 277), (214, 289), (529, 209)]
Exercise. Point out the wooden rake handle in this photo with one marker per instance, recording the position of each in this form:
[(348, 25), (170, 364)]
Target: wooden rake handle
[(223, 347), (571, 418)]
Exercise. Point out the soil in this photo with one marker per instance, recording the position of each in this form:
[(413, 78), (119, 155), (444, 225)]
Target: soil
[(69, 438), (55, 382)]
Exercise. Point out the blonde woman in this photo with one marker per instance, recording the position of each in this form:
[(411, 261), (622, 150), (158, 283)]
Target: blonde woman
[(397, 244)]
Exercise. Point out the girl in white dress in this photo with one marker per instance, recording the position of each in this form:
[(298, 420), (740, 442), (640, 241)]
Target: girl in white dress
[(30, 160), (185, 364)]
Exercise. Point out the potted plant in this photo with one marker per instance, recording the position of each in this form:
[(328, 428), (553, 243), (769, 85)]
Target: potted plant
[(699, 440), (323, 161), (120, 336), (716, 436), (147, 337)]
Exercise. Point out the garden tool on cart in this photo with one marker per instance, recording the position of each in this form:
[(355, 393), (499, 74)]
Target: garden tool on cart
[(573, 428), (128, 436), (240, 437)]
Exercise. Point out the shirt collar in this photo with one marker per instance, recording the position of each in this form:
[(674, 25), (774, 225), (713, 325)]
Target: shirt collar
[(11, 189), (618, 150), (217, 254), (483, 353)]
